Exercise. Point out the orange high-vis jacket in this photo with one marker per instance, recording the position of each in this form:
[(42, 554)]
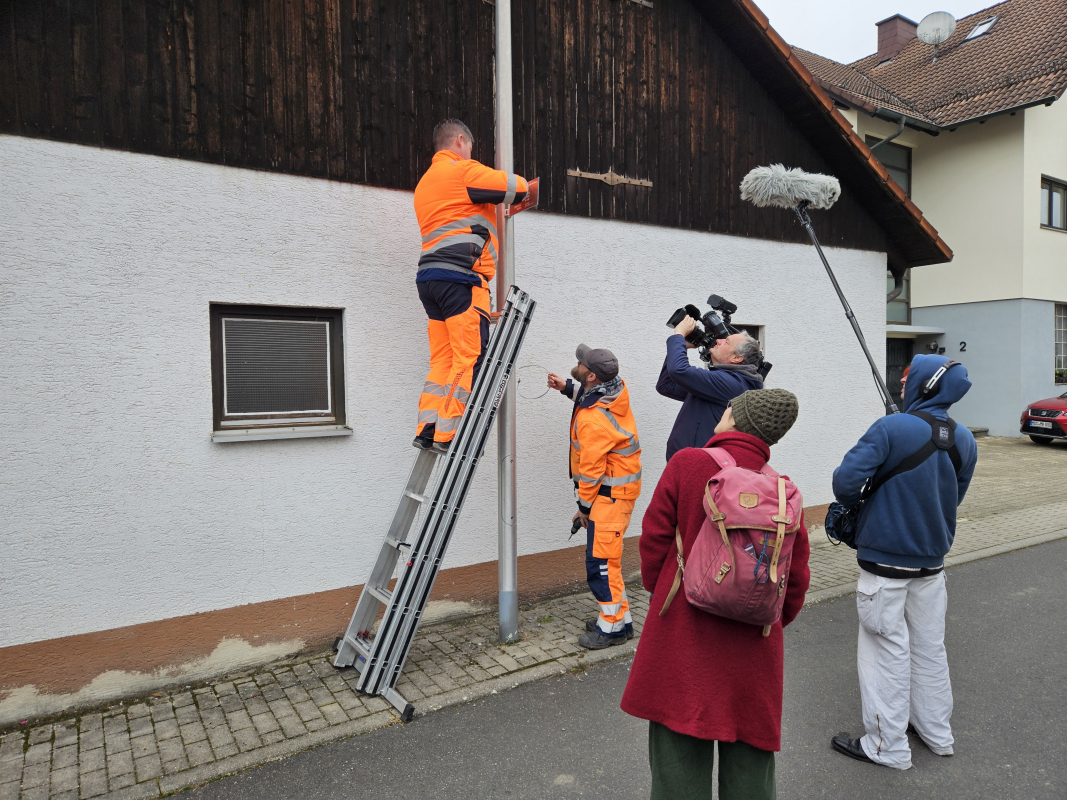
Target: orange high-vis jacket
[(455, 203), (605, 450)]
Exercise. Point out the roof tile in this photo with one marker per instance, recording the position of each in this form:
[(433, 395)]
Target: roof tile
[(931, 231), (876, 165), (894, 187), (779, 42), (1021, 60), (839, 118), (757, 14), (860, 144)]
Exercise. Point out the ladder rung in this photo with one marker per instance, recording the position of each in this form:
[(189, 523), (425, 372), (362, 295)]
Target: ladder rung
[(358, 646), (418, 498), (383, 595)]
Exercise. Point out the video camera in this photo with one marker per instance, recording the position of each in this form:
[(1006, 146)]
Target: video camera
[(715, 327)]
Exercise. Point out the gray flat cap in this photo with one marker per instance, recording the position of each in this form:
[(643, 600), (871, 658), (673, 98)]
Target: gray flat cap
[(599, 361)]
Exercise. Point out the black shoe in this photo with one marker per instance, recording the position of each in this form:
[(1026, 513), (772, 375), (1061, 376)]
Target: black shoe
[(590, 625), (424, 441), (595, 640), (850, 747), (441, 447)]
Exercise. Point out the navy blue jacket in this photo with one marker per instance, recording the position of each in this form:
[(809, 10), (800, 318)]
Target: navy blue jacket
[(911, 520), (704, 394)]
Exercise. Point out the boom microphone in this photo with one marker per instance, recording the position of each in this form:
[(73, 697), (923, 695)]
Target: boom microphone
[(777, 186), (799, 190)]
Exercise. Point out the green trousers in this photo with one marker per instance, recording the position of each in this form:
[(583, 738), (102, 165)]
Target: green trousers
[(681, 768)]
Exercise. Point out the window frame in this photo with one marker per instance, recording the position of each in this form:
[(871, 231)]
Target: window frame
[(978, 32), (1047, 181), (870, 140), (278, 425), (1060, 343)]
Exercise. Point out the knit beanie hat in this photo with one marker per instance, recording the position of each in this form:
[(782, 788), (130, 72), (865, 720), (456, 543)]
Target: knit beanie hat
[(767, 414)]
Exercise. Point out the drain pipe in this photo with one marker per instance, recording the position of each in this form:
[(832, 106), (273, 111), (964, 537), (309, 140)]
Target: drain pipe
[(890, 137), (898, 286)]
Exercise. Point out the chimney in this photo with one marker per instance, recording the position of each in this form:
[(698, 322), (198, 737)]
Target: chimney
[(893, 34)]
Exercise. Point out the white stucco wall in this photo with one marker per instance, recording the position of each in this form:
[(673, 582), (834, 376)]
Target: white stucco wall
[(969, 184), (1045, 250), (980, 186), (117, 508)]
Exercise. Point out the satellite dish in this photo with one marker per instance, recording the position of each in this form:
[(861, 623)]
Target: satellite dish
[(936, 28)]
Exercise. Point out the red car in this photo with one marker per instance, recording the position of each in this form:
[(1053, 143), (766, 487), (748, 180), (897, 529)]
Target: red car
[(1045, 420)]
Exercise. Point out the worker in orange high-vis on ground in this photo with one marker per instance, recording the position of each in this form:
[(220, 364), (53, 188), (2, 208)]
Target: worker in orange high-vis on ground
[(455, 203), (605, 467)]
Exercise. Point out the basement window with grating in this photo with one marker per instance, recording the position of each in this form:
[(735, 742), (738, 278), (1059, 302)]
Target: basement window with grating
[(277, 373)]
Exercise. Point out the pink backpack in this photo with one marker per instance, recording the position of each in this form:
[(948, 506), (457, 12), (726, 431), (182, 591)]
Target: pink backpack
[(739, 564)]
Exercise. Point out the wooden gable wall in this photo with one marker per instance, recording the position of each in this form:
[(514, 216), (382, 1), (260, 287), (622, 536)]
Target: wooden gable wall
[(351, 89)]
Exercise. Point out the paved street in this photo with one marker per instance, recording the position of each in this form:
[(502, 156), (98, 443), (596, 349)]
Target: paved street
[(565, 737), (152, 746)]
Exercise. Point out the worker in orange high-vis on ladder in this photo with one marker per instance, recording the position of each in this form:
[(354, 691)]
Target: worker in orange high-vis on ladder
[(455, 204), (605, 466)]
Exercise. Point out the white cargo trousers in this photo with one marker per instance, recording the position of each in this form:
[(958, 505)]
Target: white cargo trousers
[(903, 666)]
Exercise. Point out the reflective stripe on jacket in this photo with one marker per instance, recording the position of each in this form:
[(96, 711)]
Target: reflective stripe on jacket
[(605, 450), (455, 204)]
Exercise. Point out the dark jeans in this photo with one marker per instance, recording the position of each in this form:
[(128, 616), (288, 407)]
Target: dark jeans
[(681, 768)]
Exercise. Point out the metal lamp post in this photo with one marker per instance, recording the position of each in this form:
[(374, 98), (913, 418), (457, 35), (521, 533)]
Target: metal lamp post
[(507, 544)]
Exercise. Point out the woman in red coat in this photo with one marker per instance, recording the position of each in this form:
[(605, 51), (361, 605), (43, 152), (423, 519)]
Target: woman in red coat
[(700, 678)]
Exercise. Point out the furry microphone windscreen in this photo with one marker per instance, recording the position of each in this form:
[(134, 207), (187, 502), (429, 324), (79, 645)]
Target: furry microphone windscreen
[(777, 186)]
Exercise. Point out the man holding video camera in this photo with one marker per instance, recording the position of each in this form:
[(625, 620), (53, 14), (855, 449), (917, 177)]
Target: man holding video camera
[(733, 370)]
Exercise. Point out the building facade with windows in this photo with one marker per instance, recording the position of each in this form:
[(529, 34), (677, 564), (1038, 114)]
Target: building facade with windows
[(212, 343), (978, 137)]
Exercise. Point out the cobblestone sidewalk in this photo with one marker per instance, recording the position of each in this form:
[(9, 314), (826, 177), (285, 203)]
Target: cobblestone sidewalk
[(152, 746)]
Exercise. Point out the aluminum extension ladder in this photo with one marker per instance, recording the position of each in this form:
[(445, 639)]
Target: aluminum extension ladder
[(380, 657)]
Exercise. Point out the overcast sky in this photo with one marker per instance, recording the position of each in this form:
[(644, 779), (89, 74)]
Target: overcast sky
[(844, 30)]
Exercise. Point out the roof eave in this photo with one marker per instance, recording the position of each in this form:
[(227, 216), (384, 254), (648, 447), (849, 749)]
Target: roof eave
[(1043, 101), (893, 115), (845, 97)]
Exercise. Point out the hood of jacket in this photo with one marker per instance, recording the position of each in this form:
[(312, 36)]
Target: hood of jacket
[(952, 386), (748, 370), (618, 402)]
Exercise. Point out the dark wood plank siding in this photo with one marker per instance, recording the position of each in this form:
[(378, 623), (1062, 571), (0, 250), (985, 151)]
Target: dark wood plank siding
[(351, 89)]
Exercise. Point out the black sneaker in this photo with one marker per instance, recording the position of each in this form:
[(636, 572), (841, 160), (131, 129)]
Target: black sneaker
[(590, 625), (598, 641), (424, 441), (441, 447)]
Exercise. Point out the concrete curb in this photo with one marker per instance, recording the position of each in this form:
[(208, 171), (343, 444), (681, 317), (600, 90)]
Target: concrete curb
[(180, 781)]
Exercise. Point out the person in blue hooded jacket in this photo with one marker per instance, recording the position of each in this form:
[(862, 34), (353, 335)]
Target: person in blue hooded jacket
[(705, 393), (903, 534)]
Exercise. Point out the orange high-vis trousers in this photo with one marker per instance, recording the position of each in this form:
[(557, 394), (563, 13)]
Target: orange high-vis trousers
[(458, 330), (608, 521)]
